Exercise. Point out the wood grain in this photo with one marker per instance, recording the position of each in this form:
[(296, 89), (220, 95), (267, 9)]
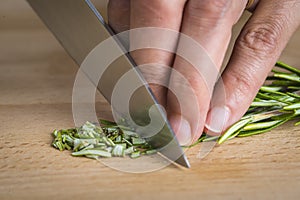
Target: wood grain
[(36, 80)]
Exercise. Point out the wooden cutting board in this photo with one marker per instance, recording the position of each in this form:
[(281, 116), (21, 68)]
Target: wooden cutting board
[(36, 80)]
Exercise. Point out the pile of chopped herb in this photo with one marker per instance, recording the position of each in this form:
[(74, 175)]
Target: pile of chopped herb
[(275, 104), (107, 141)]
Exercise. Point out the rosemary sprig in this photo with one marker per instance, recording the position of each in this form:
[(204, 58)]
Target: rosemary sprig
[(274, 105)]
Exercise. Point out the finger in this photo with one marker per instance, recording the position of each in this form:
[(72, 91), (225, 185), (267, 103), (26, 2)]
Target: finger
[(256, 50), (209, 24), (158, 13), (119, 15)]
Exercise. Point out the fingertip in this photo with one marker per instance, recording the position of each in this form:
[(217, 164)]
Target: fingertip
[(217, 120), (182, 129)]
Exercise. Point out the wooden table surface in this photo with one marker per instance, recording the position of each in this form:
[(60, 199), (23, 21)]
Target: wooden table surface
[(36, 80)]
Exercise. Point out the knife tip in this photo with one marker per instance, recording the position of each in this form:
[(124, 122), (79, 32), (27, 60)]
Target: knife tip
[(183, 161)]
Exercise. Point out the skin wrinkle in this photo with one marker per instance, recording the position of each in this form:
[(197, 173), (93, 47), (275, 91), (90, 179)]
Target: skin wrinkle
[(263, 37), (261, 40)]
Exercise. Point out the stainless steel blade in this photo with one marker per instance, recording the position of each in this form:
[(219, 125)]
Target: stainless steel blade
[(79, 28)]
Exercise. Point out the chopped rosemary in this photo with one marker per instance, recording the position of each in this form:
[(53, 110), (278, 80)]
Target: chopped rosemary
[(108, 141)]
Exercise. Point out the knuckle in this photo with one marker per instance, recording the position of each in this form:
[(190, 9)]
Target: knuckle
[(213, 6), (211, 11), (262, 38), (159, 8)]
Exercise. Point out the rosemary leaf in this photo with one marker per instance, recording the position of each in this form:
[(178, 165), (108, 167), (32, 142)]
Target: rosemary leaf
[(93, 152), (118, 151), (138, 141), (259, 131), (292, 106), (135, 154), (106, 122), (211, 138), (260, 125), (129, 150), (234, 128), (287, 67), (293, 95), (271, 89), (150, 152), (267, 104), (290, 77)]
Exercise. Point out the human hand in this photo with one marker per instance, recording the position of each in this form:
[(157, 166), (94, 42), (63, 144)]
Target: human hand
[(209, 23)]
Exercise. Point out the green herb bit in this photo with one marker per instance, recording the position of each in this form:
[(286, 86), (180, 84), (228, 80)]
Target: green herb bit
[(293, 95), (118, 150), (203, 136), (259, 131), (292, 106), (210, 138), (111, 143), (264, 103), (82, 143), (151, 152), (260, 125), (89, 130), (59, 145), (234, 135), (127, 142), (128, 133), (95, 157), (290, 77), (93, 152), (129, 150), (287, 67), (284, 98), (284, 83), (271, 89), (234, 128), (111, 129), (90, 146), (264, 115), (138, 141), (67, 146), (106, 122), (294, 88), (118, 139), (68, 139), (135, 154)]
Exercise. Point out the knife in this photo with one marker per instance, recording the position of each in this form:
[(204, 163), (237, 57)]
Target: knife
[(79, 28)]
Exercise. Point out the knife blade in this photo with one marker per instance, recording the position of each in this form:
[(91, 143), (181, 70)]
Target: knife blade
[(79, 27)]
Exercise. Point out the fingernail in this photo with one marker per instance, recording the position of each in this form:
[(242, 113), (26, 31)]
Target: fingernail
[(182, 129), (217, 119)]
